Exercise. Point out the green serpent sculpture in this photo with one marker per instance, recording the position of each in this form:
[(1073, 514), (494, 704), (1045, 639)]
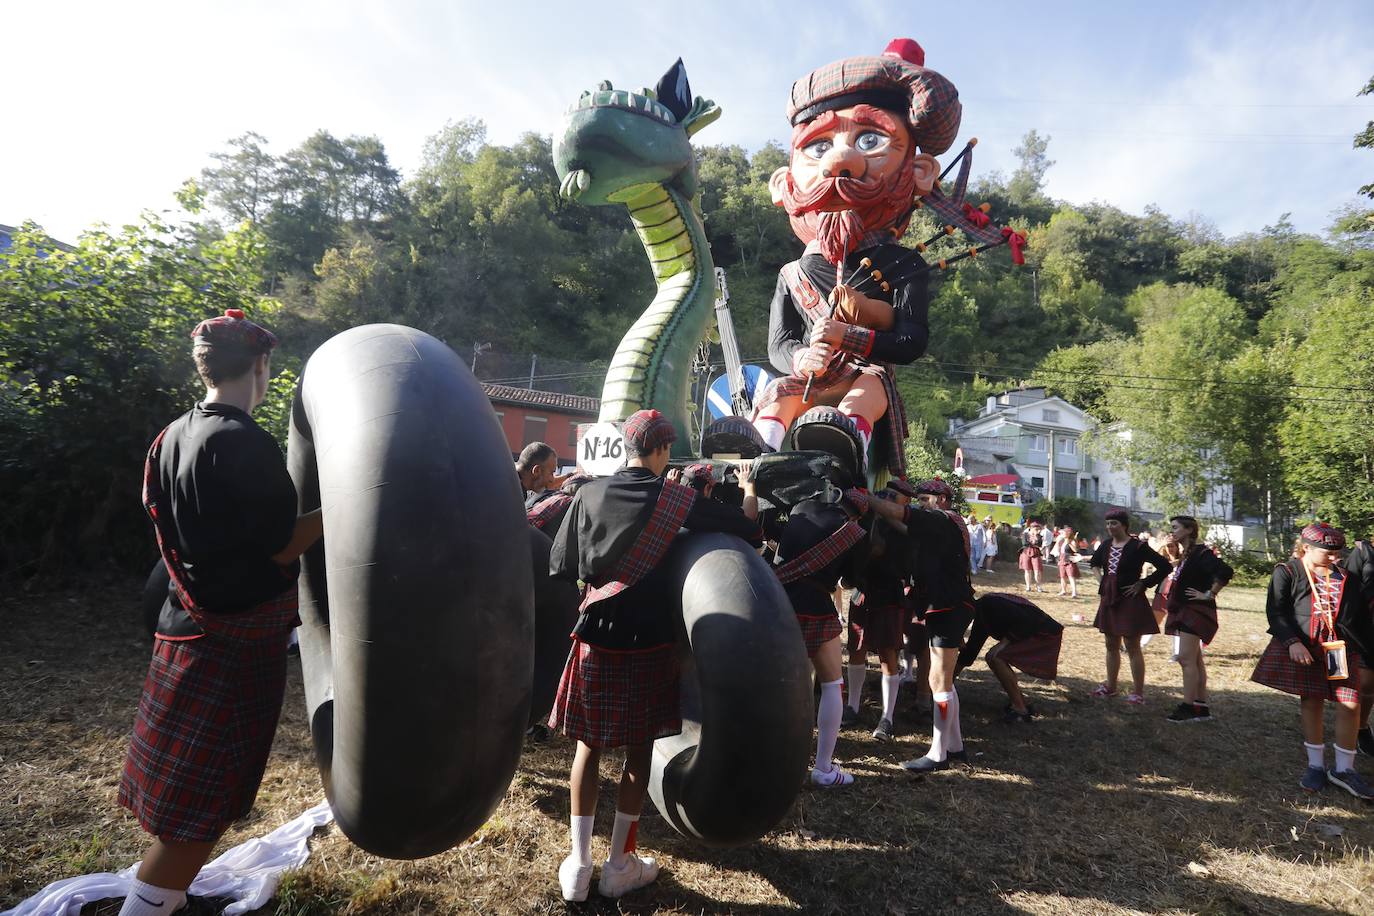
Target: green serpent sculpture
[(633, 148)]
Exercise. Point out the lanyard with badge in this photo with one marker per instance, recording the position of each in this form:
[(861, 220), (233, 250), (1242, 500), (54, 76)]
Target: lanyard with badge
[(1326, 604)]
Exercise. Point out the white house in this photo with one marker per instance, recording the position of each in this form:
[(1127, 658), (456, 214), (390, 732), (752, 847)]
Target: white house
[(1036, 436)]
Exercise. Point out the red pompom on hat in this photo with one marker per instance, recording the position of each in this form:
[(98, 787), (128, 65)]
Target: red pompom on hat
[(648, 430), (232, 329), (1320, 534), (907, 49)]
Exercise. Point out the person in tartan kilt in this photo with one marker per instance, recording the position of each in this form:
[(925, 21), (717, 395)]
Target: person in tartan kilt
[(941, 580), (1191, 613), (620, 685), (1123, 613), (820, 545), (1360, 564), (223, 508), (865, 131), (547, 512), (1027, 638), (1319, 617), (877, 616)]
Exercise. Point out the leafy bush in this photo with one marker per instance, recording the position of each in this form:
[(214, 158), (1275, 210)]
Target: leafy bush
[(94, 360)]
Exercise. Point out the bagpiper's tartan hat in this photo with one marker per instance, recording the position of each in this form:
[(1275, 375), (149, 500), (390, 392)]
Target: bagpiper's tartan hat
[(648, 430), (902, 486), (897, 81), (233, 330), (1320, 534), (935, 487)]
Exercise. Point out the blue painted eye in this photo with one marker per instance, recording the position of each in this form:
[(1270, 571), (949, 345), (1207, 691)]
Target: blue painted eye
[(869, 141), (818, 149)]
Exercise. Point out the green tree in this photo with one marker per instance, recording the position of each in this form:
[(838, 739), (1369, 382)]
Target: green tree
[(1365, 138), (1028, 181), (94, 360)]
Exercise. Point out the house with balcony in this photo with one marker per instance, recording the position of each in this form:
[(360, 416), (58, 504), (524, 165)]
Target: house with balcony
[(1037, 437)]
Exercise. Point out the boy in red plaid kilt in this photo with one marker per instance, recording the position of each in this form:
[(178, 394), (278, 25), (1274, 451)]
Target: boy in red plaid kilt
[(224, 512), (1027, 638), (818, 547), (620, 685), (1320, 620)]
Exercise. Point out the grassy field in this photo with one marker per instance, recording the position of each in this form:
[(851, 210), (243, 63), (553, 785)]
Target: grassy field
[(1098, 807)]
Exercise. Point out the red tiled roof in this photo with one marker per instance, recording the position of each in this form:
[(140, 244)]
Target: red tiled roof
[(552, 400)]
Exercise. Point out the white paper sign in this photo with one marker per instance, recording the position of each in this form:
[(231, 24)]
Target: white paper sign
[(601, 451)]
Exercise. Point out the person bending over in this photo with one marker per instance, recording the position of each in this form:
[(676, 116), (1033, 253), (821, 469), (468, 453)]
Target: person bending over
[(1027, 638)]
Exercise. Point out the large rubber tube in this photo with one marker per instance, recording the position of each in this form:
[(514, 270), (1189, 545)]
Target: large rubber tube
[(555, 614), (735, 770), (417, 608)]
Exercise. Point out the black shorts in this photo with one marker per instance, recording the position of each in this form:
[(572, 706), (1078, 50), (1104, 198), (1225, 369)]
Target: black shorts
[(947, 628)]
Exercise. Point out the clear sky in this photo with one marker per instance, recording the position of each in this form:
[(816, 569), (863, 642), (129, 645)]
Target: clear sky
[(1233, 111)]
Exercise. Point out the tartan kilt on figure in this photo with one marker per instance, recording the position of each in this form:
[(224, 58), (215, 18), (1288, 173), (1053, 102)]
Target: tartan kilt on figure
[(876, 628), (609, 698), (1277, 669), (205, 725), (1036, 655)]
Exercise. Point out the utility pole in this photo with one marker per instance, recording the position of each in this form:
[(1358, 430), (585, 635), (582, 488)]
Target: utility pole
[(477, 350), (534, 359), (1049, 488)]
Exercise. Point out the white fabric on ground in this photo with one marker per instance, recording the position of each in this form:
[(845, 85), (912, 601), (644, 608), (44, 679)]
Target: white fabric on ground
[(248, 874)]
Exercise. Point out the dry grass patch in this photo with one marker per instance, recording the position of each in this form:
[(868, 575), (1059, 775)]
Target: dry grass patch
[(1098, 807)]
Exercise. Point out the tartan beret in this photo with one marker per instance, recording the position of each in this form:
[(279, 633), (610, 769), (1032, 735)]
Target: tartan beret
[(648, 430), (232, 329), (1118, 515), (698, 475), (1320, 534), (902, 486), (935, 487), (896, 81)]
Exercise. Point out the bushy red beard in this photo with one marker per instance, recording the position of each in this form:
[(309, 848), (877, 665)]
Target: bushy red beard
[(873, 206)]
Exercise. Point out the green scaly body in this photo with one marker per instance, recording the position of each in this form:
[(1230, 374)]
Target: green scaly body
[(618, 147)]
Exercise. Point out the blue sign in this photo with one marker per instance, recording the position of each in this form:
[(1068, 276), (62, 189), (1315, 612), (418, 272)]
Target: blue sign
[(718, 398)]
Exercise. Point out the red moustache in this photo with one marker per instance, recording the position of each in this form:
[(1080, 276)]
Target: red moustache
[(871, 206)]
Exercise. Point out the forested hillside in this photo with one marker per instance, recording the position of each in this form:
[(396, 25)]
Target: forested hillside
[(1251, 357)]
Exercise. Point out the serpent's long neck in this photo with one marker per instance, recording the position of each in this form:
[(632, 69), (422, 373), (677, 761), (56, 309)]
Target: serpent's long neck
[(652, 365)]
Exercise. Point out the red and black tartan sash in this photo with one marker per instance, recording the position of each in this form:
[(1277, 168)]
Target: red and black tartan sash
[(277, 615), (821, 555), (649, 549), (541, 512)]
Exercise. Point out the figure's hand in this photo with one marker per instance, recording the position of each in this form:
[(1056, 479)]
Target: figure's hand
[(1135, 588), (828, 331), (1299, 654), (814, 359), (1197, 594), (556, 481), (674, 475)]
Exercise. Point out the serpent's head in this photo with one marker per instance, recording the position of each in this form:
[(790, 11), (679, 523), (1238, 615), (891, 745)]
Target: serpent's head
[(613, 142)]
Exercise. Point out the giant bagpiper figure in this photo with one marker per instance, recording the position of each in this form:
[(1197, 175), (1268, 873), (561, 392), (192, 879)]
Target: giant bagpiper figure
[(865, 131)]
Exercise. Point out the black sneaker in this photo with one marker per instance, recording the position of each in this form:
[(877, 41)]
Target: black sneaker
[(1365, 742), (1011, 715), (925, 765), (885, 730), (1351, 782), (959, 757), (849, 718), (1203, 712), (1313, 779), (1184, 712)]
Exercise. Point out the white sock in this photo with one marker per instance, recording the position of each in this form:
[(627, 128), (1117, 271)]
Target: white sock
[(622, 837), (954, 732), (891, 684), (855, 675), (772, 431), (146, 900), (1316, 755), (1345, 759), (828, 724), (939, 719), (1145, 640), (1178, 644), (582, 838)]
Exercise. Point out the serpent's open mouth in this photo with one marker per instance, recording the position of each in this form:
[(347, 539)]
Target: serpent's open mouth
[(641, 103)]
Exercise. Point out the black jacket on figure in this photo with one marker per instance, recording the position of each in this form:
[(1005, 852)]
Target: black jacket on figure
[(1007, 617), (1134, 555)]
